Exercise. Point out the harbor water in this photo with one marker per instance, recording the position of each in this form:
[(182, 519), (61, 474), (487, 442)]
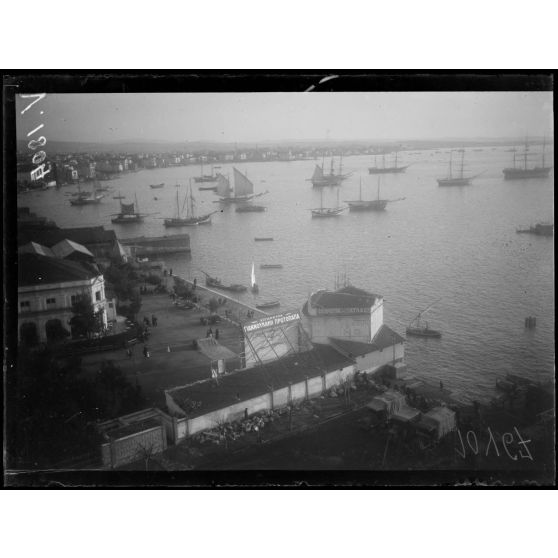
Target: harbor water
[(454, 245)]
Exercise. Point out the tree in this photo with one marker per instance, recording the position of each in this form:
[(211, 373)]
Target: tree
[(146, 452), (85, 320)]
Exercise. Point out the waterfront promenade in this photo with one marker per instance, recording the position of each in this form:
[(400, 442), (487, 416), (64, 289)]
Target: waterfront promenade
[(173, 360)]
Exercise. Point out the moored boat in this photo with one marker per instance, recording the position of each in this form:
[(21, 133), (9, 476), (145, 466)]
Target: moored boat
[(271, 266), (325, 212), (154, 186), (128, 214), (249, 208), (263, 238), (215, 283), (268, 304), (191, 219), (416, 329), (455, 180), (540, 229), (386, 170), (518, 173)]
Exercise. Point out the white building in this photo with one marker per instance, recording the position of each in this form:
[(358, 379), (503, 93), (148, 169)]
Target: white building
[(352, 321), (48, 287)]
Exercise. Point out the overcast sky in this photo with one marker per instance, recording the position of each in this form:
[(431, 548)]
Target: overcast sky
[(252, 117)]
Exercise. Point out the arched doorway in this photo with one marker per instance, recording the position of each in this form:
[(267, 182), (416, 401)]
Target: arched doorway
[(55, 331), (28, 334)]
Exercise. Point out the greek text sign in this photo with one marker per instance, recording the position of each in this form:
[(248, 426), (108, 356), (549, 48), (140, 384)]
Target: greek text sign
[(272, 321)]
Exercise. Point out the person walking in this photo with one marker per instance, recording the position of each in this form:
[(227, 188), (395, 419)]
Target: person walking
[(145, 351), (195, 283), (216, 333), (153, 320)]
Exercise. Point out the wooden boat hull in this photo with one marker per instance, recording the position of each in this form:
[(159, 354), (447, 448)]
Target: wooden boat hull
[(85, 202), (263, 239), (271, 266), (386, 170), (373, 205), (250, 209), (423, 332), (156, 186), (200, 179), (266, 305), (212, 188), (325, 213), (187, 222), (520, 174), (454, 181)]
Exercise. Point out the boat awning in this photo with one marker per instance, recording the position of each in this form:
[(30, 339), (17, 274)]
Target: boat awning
[(213, 350)]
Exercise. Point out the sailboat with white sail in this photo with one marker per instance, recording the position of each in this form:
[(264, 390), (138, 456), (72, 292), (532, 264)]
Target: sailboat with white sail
[(190, 219), (242, 192), (253, 284)]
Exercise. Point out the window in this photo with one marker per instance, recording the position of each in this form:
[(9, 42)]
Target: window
[(73, 299), (98, 295), (25, 305), (51, 301), (111, 305)]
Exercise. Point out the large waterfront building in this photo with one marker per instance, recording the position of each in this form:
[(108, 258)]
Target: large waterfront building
[(346, 313), (48, 286)]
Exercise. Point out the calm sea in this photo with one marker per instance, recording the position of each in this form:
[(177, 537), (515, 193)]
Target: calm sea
[(456, 244)]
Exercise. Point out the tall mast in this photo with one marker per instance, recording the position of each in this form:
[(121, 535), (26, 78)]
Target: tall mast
[(396, 159), (341, 164), (137, 204), (543, 150), (384, 160), (451, 155), (321, 198), (525, 154), (337, 197), (323, 160), (177, 206), (360, 189), (378, 187), (462, 158)]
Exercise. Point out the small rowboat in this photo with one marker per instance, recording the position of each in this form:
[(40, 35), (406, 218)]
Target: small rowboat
[(157, 185), (271, 266), (262, 238), (268, 304)]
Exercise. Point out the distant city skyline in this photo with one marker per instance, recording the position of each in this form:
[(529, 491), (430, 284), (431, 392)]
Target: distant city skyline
[(283, 117)]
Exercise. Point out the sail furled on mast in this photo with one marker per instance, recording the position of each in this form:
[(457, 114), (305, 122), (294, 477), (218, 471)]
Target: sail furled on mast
[(242, 186), (223, 186), (253, 276)]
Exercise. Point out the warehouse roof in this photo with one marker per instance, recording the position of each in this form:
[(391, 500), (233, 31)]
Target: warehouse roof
[(385, 337), (346, 297), (252, 382), (66, 247)]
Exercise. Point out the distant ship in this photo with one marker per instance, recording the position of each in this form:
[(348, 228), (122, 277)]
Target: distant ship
[(368, 205), (242, 192), (386, 170), (191, 219), (327, 211), (417, 329), (157, 185), (87, 198), (518, 173), (128, 214), (320, 179), (540, 229), (250, 208), (453, 179), (206, 177)]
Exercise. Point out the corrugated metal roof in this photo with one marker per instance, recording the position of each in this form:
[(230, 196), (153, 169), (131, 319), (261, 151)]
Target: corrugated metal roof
[(35, 248), (66, 247)]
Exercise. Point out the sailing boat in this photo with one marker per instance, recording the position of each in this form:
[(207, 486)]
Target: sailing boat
[(243, 189), (327, 211), (87, 198), (205, 177), (128, 214), (453, 180), (369, 205), (517, 173), (415, 328), (319, 179), (385, 170), (191, 219), (253, 284)]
